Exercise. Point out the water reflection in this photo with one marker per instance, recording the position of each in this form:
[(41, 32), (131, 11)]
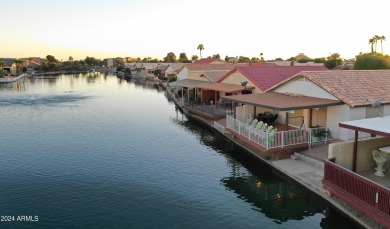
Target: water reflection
[(47, 100), (257, 184)]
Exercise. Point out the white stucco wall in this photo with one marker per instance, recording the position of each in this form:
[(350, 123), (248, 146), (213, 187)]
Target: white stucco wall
[(168, 71), (242, 112), (386, 110), (183, 74), (343, 113), (343, 152), (305, 87), (335, 115)]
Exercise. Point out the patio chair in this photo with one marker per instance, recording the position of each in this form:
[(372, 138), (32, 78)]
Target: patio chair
[(254, 123), (248, 121), (259, 125), (264, 127), (271, 136), (380, 163)]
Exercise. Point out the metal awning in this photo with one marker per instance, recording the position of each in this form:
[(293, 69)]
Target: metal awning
[(188, 83), (225, 87), (379, 126), (282, 101)]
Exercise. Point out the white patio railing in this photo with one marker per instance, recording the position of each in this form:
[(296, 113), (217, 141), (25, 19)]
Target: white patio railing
[(277, 139)]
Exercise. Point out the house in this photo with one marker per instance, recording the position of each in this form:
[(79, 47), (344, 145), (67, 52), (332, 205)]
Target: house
[(264, 77), (356, 89), (290, 63), (166, 70), (194, 71), (209, 61), (147, 70), (33, 61), (11, 66)]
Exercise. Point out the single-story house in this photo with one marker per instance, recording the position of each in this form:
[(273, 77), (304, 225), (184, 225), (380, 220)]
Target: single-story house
[(209, 61), (11, 66), (356, 89), (194, 71)]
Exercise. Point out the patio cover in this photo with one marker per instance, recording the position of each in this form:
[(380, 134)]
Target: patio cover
[(282, 102), (188, 83), (225, 87), (379, 125)]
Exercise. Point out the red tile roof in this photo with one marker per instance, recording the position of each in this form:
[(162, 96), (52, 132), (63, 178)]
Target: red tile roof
[(353, 87), (263, 64), (265, 77), (205, 61), (205, 67), (214, 76)]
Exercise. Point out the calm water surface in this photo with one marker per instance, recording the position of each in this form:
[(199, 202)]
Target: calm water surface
[(100, 152)]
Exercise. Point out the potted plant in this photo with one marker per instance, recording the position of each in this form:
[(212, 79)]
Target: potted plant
[(320, 134)]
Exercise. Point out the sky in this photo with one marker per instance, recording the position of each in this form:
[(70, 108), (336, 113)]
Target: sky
[(152, 28)]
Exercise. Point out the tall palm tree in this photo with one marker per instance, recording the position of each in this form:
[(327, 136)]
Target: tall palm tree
[(261, 57), (371, 42), (376, 38), (200, 47), (383, 38)]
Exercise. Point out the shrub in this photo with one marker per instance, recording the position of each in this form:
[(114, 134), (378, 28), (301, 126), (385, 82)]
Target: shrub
[(172, 79)]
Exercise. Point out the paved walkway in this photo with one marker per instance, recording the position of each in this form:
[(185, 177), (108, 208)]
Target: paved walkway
[(307, 174)]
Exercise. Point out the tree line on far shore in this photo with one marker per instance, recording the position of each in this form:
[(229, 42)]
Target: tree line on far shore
[(362, 61)]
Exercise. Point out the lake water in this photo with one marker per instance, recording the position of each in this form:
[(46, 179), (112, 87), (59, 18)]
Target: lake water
[(81, 151)]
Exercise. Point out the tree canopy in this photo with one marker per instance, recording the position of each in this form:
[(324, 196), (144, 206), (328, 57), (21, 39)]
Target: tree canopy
[(170, 58), (195, 57), (333, 61), (183, 57), (372, 61)]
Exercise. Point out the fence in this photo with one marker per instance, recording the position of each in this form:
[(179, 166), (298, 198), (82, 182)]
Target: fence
[(367, 196), (277, 139)]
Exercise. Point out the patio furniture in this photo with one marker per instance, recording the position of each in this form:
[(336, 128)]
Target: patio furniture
[(259, 125), (386, 154), (248, 121), (267, 117), (380, 162)]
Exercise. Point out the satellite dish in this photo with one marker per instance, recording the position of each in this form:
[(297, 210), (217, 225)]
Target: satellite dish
[(244, 83), (377, 105)]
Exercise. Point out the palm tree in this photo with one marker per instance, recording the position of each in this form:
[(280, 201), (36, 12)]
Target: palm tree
[(371, 42), (200, 47), (261, 57), (376, 38), (383, 38), (19, 63)]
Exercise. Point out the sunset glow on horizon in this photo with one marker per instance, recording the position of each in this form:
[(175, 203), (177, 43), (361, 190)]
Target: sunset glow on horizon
[(151, 28)]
